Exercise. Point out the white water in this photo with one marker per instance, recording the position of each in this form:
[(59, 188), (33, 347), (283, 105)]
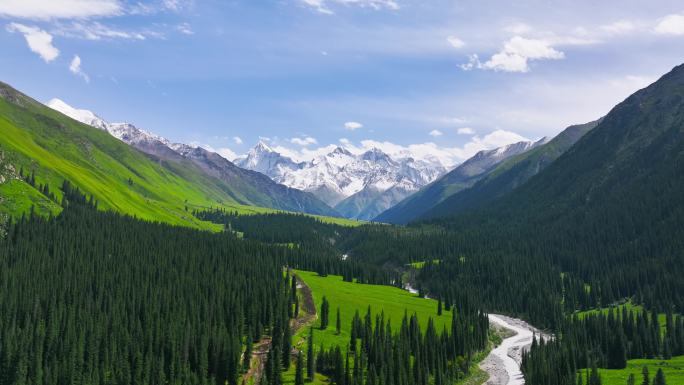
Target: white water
[(512, 346)]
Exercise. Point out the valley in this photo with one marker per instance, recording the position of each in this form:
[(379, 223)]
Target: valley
[(395, 223)]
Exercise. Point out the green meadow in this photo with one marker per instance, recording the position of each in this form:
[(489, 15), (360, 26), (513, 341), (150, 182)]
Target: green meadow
[(673, 369)]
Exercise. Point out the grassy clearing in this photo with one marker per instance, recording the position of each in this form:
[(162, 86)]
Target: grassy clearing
[(419, 265), (19, 197), (352, 297), (662, 317), (673, 369)]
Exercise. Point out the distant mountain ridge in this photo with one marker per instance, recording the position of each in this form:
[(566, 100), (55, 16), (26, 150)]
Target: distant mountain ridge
[(510, 174), (358, 186), (246, 187), (459, 179)]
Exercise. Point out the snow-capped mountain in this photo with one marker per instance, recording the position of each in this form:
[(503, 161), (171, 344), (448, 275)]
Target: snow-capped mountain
[(358, 185), (245, 186), (125, 132)]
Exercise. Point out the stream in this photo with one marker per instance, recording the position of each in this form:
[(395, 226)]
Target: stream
[(503, 363)]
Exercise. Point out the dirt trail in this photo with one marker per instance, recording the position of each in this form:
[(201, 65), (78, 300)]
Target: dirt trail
[(307, 315)]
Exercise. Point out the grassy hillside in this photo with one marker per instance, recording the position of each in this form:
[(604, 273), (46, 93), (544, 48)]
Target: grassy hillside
[(37, 139), (673, 370)]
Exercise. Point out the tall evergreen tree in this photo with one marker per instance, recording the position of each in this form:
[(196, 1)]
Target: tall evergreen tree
[(310, 358), (299, 370), (659, 378)]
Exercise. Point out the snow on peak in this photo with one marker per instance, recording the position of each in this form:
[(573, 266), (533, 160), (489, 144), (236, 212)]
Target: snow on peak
[(340, 173), (125, 132), (83, 116)]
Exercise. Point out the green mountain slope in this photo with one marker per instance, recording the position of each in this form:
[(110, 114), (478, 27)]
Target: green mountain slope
[(461, 178), (38, 139), (509, 174), (610, 209)]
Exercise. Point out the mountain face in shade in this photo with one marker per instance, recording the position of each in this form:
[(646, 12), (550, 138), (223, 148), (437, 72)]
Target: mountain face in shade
[(358, 186), (246, 187), (509, 174), (461, 178), (619, 187)]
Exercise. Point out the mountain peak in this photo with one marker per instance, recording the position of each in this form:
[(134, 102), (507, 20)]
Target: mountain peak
[(84, 116), (261, 146)]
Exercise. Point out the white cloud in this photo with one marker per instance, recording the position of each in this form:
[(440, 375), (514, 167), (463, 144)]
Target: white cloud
[(436, 133), (455, 42), (304, 141), (237, 140), (38, 40), (670, 25), (353, 126), (185, 29), (99, 31), (177, 5), (59, 9), (322, 6), (75, 68), (515, 55), (619, 27), (465, 131)]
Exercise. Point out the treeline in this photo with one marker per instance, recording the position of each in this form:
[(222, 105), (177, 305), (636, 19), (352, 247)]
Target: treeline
[(318, 241), (377, 355), (94, 297), (603, 340)]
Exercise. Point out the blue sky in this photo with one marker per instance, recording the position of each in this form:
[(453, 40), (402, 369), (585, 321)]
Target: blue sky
[(440, 77)]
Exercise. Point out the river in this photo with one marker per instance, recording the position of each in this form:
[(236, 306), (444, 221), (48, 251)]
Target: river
[(503, 363)]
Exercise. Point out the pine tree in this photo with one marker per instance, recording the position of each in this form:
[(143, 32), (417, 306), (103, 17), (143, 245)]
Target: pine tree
[(287, 347), (338, 323), (631, 380), (299, 370), (644, 373), (659, 378), (439, 307), (310, 359), (325, 310)]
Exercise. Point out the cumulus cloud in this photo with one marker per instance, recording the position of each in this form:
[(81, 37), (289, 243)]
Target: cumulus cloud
[(455, 42), (670, 25), (516, 55), (352, 126), (304, 141), (465, 131), (323, 6), (436, 133), (75, 68), (59, 9), (38, 40), (237, 140)]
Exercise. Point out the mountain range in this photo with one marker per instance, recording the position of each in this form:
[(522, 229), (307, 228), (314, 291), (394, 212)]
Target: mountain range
[(357, 185), (244, 186), (459, 179)]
